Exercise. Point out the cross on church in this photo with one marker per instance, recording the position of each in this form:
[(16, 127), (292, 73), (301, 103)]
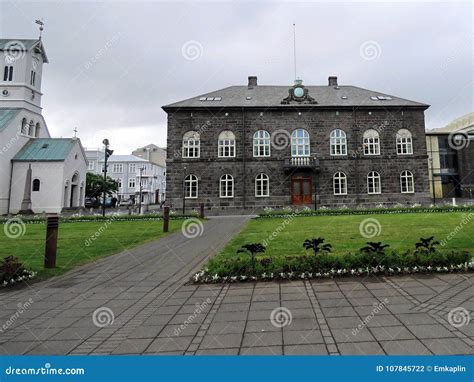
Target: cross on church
[(75, 132), (41, 24)]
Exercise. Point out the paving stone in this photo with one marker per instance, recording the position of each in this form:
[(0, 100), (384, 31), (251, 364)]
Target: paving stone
[(416, 319), (343, 322), (387, 333), (168, 344), (381, 320), (220, 341), (261, 350), (349, 335), (18, 347), (228, 351), (430, 331), (55, 347), (262, 339), (230, 316), (132, 346), (404, 347), (360, 348), (345, 311), (179, 330), (302, 337), (232, 327), (302, 324), (448, 346), (146, 332), (237, 307)]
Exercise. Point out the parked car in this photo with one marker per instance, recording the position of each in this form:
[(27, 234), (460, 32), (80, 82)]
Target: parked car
[(92, 203), (125, 203)]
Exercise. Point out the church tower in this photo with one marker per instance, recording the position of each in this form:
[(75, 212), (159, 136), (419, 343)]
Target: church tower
[(21, 73)]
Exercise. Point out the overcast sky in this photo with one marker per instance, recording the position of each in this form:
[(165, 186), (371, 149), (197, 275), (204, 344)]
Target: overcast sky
[(114, 64)]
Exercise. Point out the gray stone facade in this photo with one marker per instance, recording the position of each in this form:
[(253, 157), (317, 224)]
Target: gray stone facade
[(319, 121)]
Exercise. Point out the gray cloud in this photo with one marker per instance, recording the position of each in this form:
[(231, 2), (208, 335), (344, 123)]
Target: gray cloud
[(114, 64)]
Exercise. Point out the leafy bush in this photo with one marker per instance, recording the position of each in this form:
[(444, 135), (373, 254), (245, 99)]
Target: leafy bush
[(317, 245), (427, 245)]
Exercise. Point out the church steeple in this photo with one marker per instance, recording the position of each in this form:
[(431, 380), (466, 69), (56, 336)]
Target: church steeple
[(21, 73)]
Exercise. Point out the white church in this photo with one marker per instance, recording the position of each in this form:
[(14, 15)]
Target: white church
[(37, 173)]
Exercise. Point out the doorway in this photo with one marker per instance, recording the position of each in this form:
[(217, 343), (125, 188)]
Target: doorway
[(301, 190)]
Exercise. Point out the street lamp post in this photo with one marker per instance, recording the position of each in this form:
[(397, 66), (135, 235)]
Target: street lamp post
[(433, 179), (184, 190), (141, 191), (107, 153)]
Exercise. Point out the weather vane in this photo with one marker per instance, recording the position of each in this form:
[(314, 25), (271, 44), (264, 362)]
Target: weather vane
[(41, 24)]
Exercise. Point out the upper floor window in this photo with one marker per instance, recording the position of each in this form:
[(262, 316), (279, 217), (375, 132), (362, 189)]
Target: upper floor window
[(132, 168), (36, 184), (404, 142), (37, 130), (300, 143), (117, 167), (191, 187), (24, 126), (261, 144), (131, 182), (226, 186), (371, 142), (338, 142), (340, 183), (32, 78), (226, 144), (262, 185), (191, 145), (407, 183), (31, 129), (8, 73), (91, 166), (373, 183)]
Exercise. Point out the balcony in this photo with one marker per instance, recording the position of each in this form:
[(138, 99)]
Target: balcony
[(309, 163)]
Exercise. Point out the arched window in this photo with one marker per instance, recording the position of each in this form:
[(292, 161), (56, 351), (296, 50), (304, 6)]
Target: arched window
[(371, 142), (373, 183), (8, 73), (226, 186), (404, 142), (226, 143), (261, 144), (300, 143), (191, 145), (31, 128), (191, 187), (36, 184), (340, 183), (407, 183), (338, 142), (262, 186), (37, 130), (24, 126)]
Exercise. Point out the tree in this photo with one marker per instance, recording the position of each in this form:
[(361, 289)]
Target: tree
[(95, 186), (317, 245)]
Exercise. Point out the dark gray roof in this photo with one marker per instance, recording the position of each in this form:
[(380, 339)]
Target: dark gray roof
[(23, 45), (271, 96)]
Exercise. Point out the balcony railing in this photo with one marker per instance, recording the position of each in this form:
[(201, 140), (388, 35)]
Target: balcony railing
[(302, 162)]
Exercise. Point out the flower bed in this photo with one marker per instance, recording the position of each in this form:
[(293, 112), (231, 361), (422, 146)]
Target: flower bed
[(13, 272), (331, 265)]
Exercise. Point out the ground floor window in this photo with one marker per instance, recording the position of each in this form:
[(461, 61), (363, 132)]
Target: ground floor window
[(373, 183), (340, 183), (406, 182), (191, 187), (226, 186), (262, 186)]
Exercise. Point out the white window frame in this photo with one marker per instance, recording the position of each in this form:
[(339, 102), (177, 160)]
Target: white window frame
[(130, 181), (117, 168), (340, 178), (404, 142), (407, 179), (371, 142), (132, 168), (191, 145), (338, 143), (261, 144), (119, 182), (300, 142), (224, 182), (262, 181), (189, 181), (91, 165), (226, 145), (374, 183)]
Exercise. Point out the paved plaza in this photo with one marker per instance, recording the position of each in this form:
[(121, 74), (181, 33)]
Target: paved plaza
[(141, 302)]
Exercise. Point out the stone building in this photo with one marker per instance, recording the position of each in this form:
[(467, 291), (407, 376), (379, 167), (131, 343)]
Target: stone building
[(451, 159), (250, 147)]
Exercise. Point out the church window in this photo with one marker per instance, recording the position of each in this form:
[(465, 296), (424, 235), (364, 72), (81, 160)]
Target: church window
[(36, 185)]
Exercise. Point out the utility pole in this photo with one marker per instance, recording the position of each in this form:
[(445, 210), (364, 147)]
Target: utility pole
[(107, 153), (141, 191)]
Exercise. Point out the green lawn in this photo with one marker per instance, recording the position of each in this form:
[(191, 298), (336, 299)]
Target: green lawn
[(72, 249), (401, 231)]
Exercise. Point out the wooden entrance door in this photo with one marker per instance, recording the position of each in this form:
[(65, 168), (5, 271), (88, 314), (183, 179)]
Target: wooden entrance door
[(301, 190)]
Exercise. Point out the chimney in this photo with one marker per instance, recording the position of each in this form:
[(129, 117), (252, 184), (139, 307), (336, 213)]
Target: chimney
[(252, 82), (332, 81)]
